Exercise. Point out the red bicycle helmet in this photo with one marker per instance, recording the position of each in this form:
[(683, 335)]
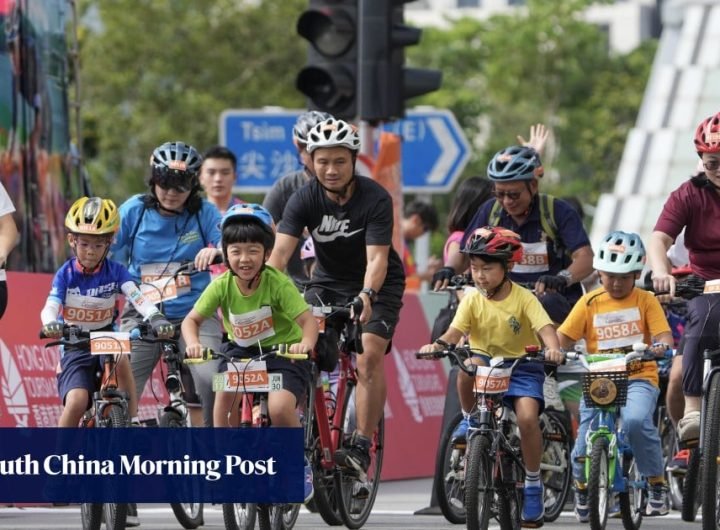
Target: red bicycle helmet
[(707, 135), (495, 242)]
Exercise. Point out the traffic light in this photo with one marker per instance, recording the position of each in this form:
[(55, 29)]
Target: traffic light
[(329, 80), (385, 82)]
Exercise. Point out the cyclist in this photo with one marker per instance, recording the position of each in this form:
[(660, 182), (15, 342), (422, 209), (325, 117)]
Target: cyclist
[(350, 218), (277, 198), (260, 307), (84, 293), (8, 240), (217, 176), (500, 319), (557, 253), (612, 318), (169, 224)]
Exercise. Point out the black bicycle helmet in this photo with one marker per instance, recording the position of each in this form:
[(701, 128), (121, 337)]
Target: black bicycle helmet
[(515, 163), (175, 164), (305, 122)]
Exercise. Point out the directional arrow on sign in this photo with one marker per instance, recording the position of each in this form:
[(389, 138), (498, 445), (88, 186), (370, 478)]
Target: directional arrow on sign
[(434, 151)]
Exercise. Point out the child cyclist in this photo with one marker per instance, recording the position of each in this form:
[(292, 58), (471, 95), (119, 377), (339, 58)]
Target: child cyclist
[(251, 292), (501, 318), (84, 293), (612, 318)]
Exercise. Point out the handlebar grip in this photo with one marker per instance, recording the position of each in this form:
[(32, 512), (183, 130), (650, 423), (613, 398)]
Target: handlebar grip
[(294, 356), (432, 355), (207, 355)]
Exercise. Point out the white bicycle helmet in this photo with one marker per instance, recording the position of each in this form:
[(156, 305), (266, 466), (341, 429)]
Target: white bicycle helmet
[(620, 252), (333, 133)]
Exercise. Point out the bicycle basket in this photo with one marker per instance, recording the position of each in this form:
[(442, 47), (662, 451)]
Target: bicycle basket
[(603, 389)]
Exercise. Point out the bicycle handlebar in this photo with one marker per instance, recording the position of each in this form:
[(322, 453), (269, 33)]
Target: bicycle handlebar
[(72, 335), (687, 288), (279, 350), (145, 333), (344, 313)]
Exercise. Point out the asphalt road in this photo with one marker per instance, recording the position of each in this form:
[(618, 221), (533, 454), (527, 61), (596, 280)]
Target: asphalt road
[(394, 508)]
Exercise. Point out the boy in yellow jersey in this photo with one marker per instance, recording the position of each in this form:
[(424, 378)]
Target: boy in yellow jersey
[(500, 318), (612, 318)]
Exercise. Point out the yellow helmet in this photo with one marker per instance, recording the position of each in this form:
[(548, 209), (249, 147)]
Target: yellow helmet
[(93, 216)]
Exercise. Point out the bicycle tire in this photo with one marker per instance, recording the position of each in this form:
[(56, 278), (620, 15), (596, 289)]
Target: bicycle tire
[(669, 444), (325, 498), (598, 485), (509, 496), (91, 515), (171, 419), (692, 495), (264, 514), (450, 475), (239, 516), (189, 514), (634, 498), (708, 462), (116, 514), (478, 474), (557, 450), (354, 509)]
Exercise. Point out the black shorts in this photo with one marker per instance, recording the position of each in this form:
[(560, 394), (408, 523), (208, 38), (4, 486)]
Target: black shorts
[(385, 310), (295, 374)]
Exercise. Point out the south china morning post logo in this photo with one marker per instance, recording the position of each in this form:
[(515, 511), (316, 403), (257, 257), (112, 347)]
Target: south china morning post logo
[(151, 465)]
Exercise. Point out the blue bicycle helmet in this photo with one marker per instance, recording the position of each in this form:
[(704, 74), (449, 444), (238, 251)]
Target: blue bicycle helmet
[(248, 211), (515, 163)]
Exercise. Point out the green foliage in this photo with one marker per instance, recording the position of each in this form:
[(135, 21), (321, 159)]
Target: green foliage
[(542, 64), (154, 71)]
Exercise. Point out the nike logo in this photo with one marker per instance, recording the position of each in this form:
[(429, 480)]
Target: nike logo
[(331, 228)]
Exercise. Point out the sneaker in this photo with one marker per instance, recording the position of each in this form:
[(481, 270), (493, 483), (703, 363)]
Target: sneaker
[(132, 516), (354, 456), (689, 426), (658, 503), (533, 511), (551, 393), (308, 484), (459, 435), (582, 512), (679, 462)]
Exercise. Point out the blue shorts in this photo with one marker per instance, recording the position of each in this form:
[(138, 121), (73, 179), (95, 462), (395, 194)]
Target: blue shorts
[(79, 369), (526, 381)]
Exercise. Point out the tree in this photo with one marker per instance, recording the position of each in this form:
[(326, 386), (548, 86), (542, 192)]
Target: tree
[(160, 71)]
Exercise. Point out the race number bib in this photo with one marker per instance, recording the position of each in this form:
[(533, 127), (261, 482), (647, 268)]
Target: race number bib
[(109, 342), (535, 258), (489, 380), (249, 377), (88, 312), (157, 282), (618, 329), (712, 287), (252, 327)]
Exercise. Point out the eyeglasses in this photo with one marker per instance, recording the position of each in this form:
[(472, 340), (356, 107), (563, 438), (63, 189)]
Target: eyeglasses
[(512, 195), (177, 187), (712, 165)]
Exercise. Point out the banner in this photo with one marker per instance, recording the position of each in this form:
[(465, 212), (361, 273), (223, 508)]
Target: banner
[(151, 465)]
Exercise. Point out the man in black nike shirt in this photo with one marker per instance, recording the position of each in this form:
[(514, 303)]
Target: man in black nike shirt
[(350, 219)]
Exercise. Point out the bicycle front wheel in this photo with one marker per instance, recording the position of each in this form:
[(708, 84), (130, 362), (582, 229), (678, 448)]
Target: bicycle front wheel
[(358, 497), (692, 494), (91, 516), (478, 483), (555, 463), (708, 464), (634, 498), (116, 514), (598, 486), (189, 514), (450, 475), (239, 516)]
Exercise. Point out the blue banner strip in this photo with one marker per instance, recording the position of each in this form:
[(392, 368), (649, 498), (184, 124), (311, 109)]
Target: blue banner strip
[(151, 465)]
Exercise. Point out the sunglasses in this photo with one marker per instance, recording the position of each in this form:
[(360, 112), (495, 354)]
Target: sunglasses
[(512, 195), (711, 165), (179, 182)]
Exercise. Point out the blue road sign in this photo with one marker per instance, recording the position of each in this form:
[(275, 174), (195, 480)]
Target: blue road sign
[(262, 142), (434, 150)]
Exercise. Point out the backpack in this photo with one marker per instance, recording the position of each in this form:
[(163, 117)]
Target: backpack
[(547, 221)]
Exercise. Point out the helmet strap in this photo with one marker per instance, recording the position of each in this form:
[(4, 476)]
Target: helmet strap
[(82, 267), (490, 294)]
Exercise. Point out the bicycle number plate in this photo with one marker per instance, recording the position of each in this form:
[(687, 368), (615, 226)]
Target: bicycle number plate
[(253, 379), (608, 365), (712, 286), (109, 342), (492, 380)]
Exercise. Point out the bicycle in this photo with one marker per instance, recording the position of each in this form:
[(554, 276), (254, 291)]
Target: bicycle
[(252, 381), (341, 496), (109, 410), (610, 466), (175, 413), (494, 471)]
